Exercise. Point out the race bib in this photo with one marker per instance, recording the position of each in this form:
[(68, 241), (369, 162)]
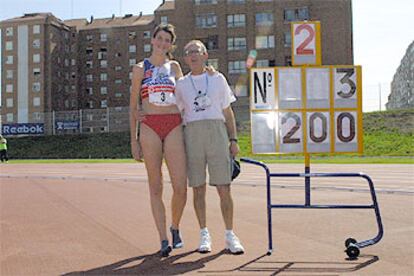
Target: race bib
[(162, 98)]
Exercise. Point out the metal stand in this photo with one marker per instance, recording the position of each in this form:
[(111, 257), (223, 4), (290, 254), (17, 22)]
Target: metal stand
[(352, 246)]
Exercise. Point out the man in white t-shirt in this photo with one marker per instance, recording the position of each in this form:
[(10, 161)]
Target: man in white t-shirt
[(210, 139)]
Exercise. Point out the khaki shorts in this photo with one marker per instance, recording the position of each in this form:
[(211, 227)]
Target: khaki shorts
[(207, 145)]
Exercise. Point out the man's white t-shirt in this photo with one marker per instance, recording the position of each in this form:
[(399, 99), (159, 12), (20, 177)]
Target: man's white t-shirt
[(203, 97)]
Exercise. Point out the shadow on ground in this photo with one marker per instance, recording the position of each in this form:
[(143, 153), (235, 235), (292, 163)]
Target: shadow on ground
[(261, 266), (152, 264)]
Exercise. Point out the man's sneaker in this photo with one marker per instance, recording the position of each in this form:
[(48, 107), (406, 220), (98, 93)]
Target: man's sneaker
[(205, 242), (233, 244), (165, 248), (177, 242)]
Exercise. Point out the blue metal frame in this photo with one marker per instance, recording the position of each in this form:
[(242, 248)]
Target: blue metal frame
[(307, 175)]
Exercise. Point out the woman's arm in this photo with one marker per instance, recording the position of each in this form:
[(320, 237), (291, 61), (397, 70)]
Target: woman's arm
[(135, 94)]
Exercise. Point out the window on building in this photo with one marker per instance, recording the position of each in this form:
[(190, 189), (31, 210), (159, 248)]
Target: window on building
[(118, 81), (89, 38), (164, 19), (288, 61), (208, 20), (132, 35), (264, 19), (237, 67), (36, 58), (130, 75), (36, 87), (296, 14), (73, 62), (118, 94), (66, 62), (236, 43), (213, 62), (36, 29), (205, 2), (9, 45), (132, 61), (211, 42), (146, 34), (89, 51), (104, 76), (104, 90), (265, 42), (9, 88), (37, 117), (104, 103), (102, 54), (89, 90), (9, 31), (132, 48), (103, 37), (118, 68), (9, 102), (104, 63), (36, 101), (89, 105), (262, 63), (236, 20), (288, 39), (36, 44), (9, 117), (89, 64), (9, 74), (147, 48), (9, 60), (89, 78)]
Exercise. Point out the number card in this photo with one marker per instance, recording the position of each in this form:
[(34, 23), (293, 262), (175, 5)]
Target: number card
[(291, 132), (263, 131), (290, 88), (263, 89), (306, 43), (314, 109)]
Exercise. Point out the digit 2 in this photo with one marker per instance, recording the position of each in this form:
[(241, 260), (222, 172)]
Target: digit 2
[(311, 34)]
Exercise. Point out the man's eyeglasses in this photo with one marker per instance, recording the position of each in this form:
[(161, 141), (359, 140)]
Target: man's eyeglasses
[(196, 52)]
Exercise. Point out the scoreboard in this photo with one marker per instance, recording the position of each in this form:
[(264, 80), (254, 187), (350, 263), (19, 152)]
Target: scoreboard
[(307, 109)]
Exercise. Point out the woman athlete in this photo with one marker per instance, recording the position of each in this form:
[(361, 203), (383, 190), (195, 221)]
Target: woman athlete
[(160, 132)]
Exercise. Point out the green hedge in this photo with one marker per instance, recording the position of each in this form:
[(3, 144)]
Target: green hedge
[(387, 133)]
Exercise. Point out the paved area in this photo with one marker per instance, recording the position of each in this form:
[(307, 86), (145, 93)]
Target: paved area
[(95, 219)]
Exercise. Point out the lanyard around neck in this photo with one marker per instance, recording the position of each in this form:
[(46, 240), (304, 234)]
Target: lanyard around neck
[(195, 88)]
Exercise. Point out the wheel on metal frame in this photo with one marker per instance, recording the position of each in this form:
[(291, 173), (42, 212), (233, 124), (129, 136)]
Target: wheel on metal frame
[(352, 251), (349, 241)]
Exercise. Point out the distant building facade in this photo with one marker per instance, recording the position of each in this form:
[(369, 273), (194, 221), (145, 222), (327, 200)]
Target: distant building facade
[(53, 65), (402, 85)]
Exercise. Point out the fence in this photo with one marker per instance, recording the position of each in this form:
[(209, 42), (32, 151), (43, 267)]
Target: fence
[(82, 121)]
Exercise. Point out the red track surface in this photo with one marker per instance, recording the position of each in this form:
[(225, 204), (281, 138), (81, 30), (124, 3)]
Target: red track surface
[(95, 219)]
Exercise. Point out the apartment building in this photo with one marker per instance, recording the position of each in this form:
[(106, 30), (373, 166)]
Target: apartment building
[(82, 64), (36, 64), (402, 85)]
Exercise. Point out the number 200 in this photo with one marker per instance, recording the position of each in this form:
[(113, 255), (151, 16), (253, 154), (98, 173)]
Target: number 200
[(344, 134)]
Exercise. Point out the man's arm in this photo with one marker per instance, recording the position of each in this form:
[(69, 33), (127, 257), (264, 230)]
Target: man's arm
[(231, 130)]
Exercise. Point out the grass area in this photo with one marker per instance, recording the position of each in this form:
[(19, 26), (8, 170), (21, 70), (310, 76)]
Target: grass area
[(388, 138)]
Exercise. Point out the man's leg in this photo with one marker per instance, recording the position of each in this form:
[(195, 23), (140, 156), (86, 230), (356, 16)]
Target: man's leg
[(199, 201), (226, 204)]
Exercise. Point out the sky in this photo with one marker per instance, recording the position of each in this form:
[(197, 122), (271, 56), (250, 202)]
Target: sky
[(382, 31)]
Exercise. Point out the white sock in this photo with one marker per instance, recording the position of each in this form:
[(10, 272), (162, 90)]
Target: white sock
[(229, 233), (204, 230)]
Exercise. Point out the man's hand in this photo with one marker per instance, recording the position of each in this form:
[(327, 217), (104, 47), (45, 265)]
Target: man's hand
[(234, 149)]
